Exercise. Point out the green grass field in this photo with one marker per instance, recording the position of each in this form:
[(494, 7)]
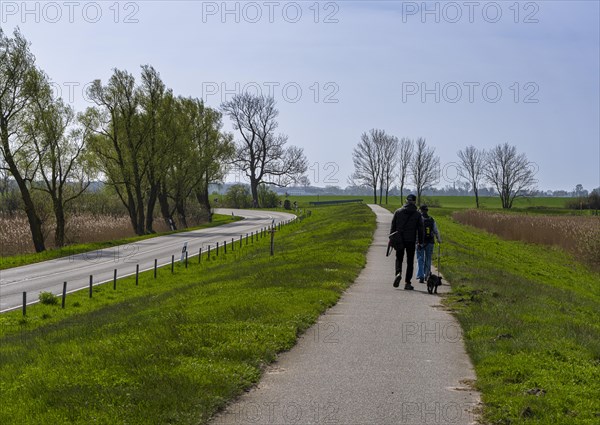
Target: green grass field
[(530, 316), (176, 349), (544, 205)]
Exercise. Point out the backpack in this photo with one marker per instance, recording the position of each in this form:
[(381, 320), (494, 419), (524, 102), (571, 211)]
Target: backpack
[(428, 229)]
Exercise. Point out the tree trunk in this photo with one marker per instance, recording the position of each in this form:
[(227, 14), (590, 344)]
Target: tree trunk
[(59, 231), (181, 212), (204, 200), (254, 189), (375, 194), (152, 196), (140, 225), (504, 202), (132, 211), (476, 197), (165, 210), (35, 223)]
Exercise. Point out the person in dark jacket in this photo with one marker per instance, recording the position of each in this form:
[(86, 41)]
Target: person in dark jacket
[(409, 224)]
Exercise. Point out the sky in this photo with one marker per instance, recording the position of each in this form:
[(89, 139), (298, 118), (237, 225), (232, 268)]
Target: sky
[(456, 73)]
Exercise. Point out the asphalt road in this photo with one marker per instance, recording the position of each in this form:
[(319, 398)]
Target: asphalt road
[(76, 269), (380, 356)]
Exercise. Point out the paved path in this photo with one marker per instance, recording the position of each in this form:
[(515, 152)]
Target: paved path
[(76, 269), (380, 356)]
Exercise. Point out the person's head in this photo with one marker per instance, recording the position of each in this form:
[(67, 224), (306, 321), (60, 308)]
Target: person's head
[(424, 209), (411, 199)]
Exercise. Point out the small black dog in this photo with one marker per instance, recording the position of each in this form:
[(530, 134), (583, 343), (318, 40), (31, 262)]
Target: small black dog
[(433, 282)]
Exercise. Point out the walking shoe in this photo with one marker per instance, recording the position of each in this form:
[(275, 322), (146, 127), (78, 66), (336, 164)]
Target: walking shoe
[(397, 280), (421, 280), (408, 287)]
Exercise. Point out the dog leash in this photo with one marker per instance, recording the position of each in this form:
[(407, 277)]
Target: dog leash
[(439, 255)]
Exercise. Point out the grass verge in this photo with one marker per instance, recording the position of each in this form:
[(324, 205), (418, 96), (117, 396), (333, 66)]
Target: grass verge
[(52, 254), (176, 349), (531, 325)]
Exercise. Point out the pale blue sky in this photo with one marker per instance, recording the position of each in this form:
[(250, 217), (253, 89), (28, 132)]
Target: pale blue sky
[(366, 61)]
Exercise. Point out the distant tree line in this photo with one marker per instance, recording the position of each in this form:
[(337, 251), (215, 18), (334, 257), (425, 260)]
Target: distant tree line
[(380, 160)]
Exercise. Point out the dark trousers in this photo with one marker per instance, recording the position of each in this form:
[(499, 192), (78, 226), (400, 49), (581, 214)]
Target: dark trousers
[(410, 259)]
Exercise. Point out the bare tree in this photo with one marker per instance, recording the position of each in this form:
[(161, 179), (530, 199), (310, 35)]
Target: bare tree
[(261, 154), (19, 84), (424, 167), (471, 167), (511, 173), (389, 161), (4, 177), (405, 153), (367, 161)]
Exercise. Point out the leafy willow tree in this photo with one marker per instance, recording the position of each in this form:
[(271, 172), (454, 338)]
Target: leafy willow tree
[(20, 83), (216, 151), (199, 155), (58, 150), (117, 137), (261, 154), (154, 114)]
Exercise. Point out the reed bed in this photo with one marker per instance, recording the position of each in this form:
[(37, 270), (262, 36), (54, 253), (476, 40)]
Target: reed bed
[(579, 235), (15, 236)]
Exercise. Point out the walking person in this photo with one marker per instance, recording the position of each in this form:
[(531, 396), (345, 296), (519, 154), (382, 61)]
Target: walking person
[(406, 231), (425, 252)]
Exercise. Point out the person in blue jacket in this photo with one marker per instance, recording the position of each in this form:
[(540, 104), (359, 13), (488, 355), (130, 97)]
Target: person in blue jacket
[(425, 251)]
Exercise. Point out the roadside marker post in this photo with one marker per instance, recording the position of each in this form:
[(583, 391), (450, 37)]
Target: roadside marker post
[(183, 252), (64, 294)]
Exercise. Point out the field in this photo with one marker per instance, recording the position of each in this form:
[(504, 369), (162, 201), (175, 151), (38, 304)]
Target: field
[(530, 316), (576, 234), (553, 205), (176, 349), (530, 319), (529, 313)]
